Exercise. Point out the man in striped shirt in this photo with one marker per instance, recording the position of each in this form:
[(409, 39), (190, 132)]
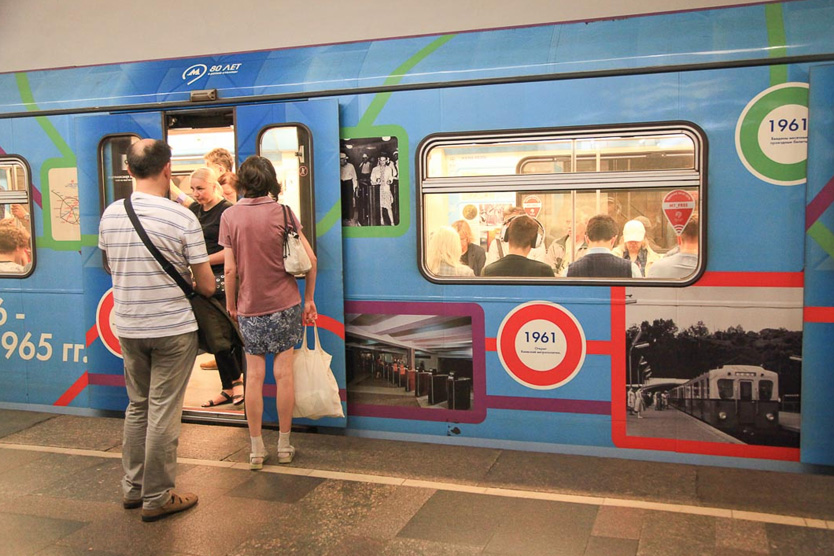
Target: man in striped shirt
[(156, 326)]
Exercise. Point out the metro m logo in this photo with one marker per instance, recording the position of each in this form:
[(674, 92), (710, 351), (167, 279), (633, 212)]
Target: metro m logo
[(193, 73)]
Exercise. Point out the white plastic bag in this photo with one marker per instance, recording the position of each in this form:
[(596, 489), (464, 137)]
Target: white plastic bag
[(296, 261), (316, 390)]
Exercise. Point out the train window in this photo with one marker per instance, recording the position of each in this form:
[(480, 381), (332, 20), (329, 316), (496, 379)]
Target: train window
[(725, 388), (765, 390), (745, 391), (290, 148), (16, 231), (114, 180), (637, 176)]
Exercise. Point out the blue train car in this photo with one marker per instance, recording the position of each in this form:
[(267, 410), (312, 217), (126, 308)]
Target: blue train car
[(705, 136)]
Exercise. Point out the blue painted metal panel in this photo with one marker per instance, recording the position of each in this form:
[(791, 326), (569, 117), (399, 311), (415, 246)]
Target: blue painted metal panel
[(818, 345), (689, 38), (104, 367)]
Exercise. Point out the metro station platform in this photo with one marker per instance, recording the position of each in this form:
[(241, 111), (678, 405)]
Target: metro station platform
[(60, 496)]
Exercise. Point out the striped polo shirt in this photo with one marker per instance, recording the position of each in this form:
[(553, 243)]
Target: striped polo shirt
[(148, 303)]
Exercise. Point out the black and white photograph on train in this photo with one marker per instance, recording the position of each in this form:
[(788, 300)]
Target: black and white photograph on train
[(414, 361), (370, 176), (714, 364)]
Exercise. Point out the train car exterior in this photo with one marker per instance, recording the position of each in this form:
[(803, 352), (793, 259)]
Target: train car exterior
[(732, 398), (722, 117)]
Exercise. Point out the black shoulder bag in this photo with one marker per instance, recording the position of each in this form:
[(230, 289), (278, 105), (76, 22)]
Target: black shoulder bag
[(217, 331)]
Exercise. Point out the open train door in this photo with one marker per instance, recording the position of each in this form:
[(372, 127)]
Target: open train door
[(302, 141), (817, 444), (101, 145)]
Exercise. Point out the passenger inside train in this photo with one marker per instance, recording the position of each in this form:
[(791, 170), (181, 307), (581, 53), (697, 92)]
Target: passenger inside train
[(682, 263), (523, 235), (599, 261), (13, 245)]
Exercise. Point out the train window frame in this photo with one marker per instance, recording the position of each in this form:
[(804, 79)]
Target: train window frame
[(597, 185), (104, 198), (12, 163), (306, 196)]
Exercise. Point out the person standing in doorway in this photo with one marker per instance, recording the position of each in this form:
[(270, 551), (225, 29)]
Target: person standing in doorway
[(209, 207), (267, 305)]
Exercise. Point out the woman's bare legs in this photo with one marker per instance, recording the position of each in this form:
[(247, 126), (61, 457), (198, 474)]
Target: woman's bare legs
[(255, 374), (284, 400), (285, 394)]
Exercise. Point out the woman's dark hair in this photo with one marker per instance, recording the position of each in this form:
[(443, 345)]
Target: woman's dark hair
[(256, 178)]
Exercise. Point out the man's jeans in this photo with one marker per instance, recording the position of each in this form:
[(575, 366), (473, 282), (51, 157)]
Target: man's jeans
[(156, 374)]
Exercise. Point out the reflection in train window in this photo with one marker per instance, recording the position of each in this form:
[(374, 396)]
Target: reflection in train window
[(290, 148), (725, 388), (765, 390), (17, 249), (653, 176), (114, 180)]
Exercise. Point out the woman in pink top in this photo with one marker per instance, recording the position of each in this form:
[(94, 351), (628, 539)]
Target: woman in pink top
[(267, 305)]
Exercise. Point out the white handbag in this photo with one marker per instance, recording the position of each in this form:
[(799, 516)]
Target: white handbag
[(316, 390), (296, 260)]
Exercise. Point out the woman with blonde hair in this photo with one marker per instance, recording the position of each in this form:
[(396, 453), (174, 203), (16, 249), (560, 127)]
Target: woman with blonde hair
[(444, 254), (209, 206)]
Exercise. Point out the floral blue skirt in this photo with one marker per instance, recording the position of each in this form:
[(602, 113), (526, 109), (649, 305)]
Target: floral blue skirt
[(273, 333)]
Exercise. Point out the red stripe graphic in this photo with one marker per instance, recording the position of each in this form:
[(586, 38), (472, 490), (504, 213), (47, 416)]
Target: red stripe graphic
[(92, 335), (331, 325), (73, 391), (818, 314), (101, 379), (752, 279), (819, 204)]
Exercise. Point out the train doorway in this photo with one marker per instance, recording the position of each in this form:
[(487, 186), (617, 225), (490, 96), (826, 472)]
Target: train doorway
[(301, 139), (199, 140)]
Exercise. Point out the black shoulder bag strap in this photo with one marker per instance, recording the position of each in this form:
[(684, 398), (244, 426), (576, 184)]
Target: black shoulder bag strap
[(160, 258)]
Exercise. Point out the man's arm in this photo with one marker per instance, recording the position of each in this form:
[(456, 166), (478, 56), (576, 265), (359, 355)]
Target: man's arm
[(203, 278), (178, 195)]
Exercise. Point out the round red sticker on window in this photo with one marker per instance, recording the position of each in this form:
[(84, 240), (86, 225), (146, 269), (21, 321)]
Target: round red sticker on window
[(541, 345)]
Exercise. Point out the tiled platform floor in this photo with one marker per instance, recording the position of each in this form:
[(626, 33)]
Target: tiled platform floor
[(59, 496)]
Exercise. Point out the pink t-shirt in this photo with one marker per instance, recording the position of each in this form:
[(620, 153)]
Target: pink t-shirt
[(254, 229)]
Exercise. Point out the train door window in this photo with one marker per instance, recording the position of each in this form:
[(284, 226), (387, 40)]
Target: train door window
[(290, 149), (745, 391), (725, 388), (17, 248), (563, 178), (765, 390), (192, 135), (114, 180)]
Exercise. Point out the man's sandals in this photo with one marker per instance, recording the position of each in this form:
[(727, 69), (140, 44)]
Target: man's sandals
[(223, 398)]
